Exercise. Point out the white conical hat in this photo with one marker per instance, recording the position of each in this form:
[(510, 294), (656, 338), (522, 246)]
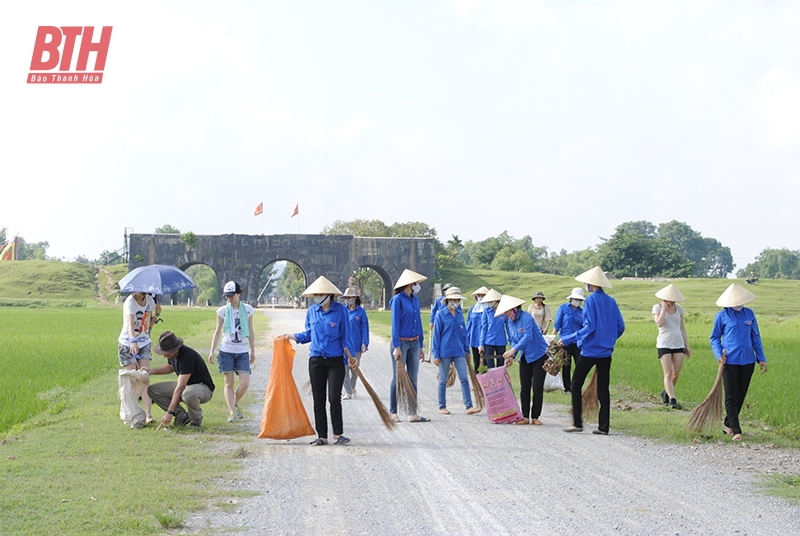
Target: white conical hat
[(670, 293), (453, 293), (321, 286), (507, 303), (408, 277), (734, 296), (491, 295), (482, 291), (595, 277)]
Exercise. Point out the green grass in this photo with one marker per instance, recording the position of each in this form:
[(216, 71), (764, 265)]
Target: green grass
[(74, 467)]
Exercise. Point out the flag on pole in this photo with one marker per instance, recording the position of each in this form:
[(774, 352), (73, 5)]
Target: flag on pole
[(8, 251), (296, 210), (259, 209)]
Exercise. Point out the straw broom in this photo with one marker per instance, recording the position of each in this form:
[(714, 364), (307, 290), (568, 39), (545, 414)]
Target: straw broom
[(382, 411), (709, 409), (477, 392), (451, 375), (589, 399), (406, 396)]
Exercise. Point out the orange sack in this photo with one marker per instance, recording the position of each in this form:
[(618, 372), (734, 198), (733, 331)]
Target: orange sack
[(284, 415)]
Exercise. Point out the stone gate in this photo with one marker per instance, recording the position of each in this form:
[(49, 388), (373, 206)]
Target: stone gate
[(242, 257)]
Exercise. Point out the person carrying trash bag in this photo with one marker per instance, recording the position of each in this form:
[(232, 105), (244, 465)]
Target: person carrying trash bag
[(569, 319), (326, 329)]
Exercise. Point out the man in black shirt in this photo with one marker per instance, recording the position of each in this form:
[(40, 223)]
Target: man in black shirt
[(194, 385)]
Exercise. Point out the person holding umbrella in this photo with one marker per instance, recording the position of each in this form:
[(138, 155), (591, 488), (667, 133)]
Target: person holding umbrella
[(672, 343), (569, 319), (736, 333), (326, 328), (235, 324), (602, 326), (139, 313), (359, 338)]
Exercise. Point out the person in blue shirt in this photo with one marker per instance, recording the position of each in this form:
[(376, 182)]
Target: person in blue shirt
[(450, 346), (407, 336), (493, 339), (602, 326), (569, 319), (736, 333), (438, 304), (358, 333), (474, 316), (526, 339), (326, 329)]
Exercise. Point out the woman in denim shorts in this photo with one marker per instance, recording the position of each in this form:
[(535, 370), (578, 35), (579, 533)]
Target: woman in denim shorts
[(237, 338)]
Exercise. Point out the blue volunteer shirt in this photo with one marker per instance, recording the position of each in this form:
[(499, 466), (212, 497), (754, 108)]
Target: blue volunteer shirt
[(449, 334), (474, 316), (326, 331), (526, 337), (358, 329), (406, 319), (438, 304), (568, 321), (602, 325), (493, 329), (737, 333)]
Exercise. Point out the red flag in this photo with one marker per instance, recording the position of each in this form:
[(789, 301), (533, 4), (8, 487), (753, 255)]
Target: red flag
[(259, 209), (296, 210)]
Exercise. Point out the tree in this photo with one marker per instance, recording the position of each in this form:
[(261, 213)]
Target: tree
[(631, 253), (710, 257), (292, 282), (510, 260), (774, 264), (32, 251), (357, 228), (167, 229), (107, 258), (206, 281)]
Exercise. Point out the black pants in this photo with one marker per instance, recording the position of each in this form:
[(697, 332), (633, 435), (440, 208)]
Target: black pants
[(476, 359), (736, 379), (493, 355), (582, 367), (327, 374), (572, 353), (531, 375)]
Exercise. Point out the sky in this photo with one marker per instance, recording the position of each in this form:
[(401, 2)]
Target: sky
[(559, 120)]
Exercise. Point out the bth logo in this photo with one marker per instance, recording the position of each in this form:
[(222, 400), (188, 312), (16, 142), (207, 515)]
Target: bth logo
[(48, 54)]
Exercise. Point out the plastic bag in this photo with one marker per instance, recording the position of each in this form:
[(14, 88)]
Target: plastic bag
[(553, 383), (501, 404), (284, 415), (132, 385)]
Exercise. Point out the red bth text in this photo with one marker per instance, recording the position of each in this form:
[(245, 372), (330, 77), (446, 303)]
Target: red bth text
[(54, 47)]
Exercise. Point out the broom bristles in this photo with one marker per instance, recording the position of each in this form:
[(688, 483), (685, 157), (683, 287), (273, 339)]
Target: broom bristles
[(406, 396), (477, 392), (382, 411), (709, 409), (589, 399), (451, 375)]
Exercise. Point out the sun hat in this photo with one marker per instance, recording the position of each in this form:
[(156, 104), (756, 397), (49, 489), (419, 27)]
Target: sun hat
[(321, 287), (446, 286), (734, 296), (231, 288), (577, 294), (351, 292), (491, 295), (481, 291), (670, 293), (595, 277), (453, 293), (408, 277), (507, 303), (539, 294), (168, 343)]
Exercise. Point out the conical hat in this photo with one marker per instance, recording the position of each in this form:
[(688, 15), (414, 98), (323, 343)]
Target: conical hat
[(595, 277), (321, 286), (734, 296), (491, 295), (408, 277), (482, 290), (453, 293), (670, 293), (507, 303), (351, 292)]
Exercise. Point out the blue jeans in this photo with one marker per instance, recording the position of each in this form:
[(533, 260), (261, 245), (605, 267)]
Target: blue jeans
[(461, 370), (409, 355)]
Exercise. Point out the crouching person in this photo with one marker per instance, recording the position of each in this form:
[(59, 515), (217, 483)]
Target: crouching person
[(194, 385)]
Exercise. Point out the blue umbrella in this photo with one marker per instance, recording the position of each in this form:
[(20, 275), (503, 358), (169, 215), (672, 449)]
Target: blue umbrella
[(156, 279)]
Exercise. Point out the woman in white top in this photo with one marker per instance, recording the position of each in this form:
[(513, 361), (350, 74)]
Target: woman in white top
[(139, 313), (672, 342), (235, 324)]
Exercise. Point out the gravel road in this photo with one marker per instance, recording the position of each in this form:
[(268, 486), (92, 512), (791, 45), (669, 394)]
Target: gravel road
[(460, 474)]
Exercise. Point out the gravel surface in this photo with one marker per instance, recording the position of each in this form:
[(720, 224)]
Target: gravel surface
[(460, 474)]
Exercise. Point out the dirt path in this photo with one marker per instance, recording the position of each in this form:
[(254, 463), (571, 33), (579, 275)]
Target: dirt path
[(104, 281), (462, 475)]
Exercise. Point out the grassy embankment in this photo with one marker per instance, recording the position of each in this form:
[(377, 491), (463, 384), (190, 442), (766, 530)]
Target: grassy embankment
[(73, 466)]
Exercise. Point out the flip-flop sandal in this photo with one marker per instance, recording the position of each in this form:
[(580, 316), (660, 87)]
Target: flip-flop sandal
[(342, 440), (318, 442), (737, 437), (422, 419)]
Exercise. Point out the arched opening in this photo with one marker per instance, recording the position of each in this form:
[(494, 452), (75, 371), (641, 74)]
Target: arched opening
[(371, 282), (207, 291), (280, 284)]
